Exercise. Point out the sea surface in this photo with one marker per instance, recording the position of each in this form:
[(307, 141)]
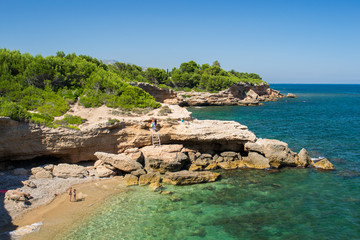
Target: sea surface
[(257, 204)]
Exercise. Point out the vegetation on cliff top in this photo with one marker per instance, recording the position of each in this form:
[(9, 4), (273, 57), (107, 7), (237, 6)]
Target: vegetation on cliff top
[(37, 89), (189, 76)]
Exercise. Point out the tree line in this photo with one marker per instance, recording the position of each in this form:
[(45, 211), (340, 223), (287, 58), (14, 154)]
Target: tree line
[(37, 88)]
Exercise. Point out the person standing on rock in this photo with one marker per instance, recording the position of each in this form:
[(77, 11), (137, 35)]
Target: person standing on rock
[(153, 124), (70, 193)]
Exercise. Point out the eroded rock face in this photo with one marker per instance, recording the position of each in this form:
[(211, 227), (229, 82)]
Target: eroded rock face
[(324, 164), (160, 94), (256, 161), (189, 177), (238, 94), (164, 158), (119, 161), (65, 170), (277, 152)]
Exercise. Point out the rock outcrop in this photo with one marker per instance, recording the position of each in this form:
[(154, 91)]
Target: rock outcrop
[(160, 94), (189, 177), (324, 164), (65, 170), (119, 161), (238, 94), (164, 158)]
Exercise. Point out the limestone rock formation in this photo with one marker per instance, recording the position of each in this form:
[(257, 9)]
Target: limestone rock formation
[(131, 180), (119, 161), (103, 172), (148, 178), (160, 94), (65, 170), (43, 174), (324, 164), (304, 158), (256, 161), (16, 195), (164, 158), (189, 177), (277, 152)]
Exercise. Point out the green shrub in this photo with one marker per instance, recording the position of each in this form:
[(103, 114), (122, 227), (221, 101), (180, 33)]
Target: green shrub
[(13, 110)]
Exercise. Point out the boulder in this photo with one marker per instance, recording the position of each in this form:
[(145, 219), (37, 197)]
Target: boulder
[(103, 172), (189, 177), (156, 186), (231, 165), (131, 180), (149, 178), (20, 171), (98, 163), (256, 160), (278, 153), (164, 158), (119, 161), (324, 164), (254, 147), (65, 170), (138, 172), (36, 169), (304, 158), (251, 94), (135, 154), (43, 174), (16, 195)]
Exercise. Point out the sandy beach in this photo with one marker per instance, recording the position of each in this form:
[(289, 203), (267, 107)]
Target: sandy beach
[(59, 215)]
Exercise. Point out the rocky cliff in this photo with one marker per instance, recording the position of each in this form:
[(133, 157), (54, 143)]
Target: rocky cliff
[(238, 94)]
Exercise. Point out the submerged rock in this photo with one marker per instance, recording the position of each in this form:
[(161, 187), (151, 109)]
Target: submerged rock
[(189, 177)]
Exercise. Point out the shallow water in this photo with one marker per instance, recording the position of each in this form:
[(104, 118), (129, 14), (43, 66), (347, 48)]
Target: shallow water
[(256, 204)]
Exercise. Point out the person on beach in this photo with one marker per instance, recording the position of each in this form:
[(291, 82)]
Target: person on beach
[(70, 193), (74, 192)]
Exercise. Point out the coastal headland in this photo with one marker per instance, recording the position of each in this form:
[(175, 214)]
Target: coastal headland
[(111, 143)]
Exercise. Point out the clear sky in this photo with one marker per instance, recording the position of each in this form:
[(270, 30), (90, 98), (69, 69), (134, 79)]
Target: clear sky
[(290, 41)]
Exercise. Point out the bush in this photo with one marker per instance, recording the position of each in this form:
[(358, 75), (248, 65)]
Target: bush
[(14, 111)]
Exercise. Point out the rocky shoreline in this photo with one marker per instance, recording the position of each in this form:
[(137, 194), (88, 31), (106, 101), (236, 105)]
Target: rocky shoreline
[(190, 152), (242, 94)]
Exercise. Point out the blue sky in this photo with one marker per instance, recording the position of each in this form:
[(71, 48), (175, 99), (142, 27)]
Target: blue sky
[(283, 41)]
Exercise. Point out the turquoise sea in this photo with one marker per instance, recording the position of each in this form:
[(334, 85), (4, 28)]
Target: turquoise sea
[(256, 204)]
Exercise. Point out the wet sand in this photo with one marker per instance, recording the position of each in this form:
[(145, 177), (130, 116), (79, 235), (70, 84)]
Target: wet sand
[(58, 216)]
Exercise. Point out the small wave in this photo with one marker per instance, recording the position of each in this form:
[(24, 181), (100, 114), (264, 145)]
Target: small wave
[(22, 231), (316, 159)]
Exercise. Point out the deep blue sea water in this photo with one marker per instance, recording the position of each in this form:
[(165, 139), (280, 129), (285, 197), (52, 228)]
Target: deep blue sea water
[(256, 204)]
